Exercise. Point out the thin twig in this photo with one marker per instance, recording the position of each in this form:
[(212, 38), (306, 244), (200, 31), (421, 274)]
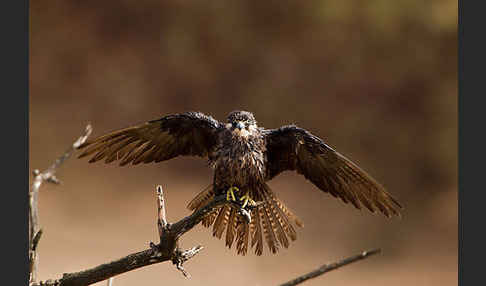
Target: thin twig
[(166, 250), (161, 214), (184, 256), (328, 267), (39, 177)]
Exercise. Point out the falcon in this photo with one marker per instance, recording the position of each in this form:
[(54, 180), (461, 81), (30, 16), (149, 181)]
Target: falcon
[(244, 158)]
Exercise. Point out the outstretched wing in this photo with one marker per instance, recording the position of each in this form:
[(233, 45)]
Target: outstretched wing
[(190, 133), (293, 148)]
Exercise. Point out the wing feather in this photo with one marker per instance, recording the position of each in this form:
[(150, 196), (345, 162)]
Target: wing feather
[(190, 133), (295, 149)]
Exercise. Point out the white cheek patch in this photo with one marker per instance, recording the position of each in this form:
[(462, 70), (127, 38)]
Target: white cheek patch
[(228, 125), (252, 128)]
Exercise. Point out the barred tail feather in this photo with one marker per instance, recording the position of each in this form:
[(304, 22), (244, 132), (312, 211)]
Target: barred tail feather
[(257, 237), (221, 221), (279, 224), (208, 220), (231, 229), (272, 242), (201, 199), (242, 238)]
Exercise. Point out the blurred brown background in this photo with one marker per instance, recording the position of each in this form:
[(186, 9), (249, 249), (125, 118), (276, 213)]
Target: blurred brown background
[(376, 79)]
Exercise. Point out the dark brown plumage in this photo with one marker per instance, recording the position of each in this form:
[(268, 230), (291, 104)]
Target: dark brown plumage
[(245, 156)]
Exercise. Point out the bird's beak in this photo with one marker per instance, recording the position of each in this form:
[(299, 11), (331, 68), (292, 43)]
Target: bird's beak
[(240, 125)]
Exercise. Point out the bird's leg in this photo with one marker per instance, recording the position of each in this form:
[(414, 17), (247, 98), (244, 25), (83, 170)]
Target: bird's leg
[(230, 196), (247, 200)]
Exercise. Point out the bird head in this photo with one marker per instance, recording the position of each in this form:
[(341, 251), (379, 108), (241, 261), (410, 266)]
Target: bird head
[(241, 123)]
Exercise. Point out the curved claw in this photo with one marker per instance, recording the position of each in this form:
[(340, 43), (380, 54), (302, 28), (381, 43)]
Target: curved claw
[(230, 196), (247, 201)]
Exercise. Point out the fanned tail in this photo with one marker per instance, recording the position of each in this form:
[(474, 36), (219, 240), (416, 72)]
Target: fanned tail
[(271, 221)]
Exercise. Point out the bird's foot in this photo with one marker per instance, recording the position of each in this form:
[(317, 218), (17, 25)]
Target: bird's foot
[(247, 201), (230, 195)]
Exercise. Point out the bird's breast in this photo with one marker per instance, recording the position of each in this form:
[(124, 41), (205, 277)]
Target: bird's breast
[(239, 165)]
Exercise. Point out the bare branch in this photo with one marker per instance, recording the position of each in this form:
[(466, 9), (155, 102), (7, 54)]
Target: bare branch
[(166, 250), (328, 267), (162, 218), (39, 177)]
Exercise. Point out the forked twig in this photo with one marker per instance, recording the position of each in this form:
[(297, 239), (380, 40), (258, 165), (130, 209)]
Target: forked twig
[(48, 175)]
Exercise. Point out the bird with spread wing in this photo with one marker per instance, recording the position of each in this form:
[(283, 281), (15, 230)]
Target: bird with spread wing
[(244, 158)]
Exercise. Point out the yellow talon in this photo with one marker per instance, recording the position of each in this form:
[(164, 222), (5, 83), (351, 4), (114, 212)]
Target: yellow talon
[(247, 201), (230, 196)]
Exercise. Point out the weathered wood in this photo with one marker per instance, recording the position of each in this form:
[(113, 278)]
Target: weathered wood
[(39, 177)]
